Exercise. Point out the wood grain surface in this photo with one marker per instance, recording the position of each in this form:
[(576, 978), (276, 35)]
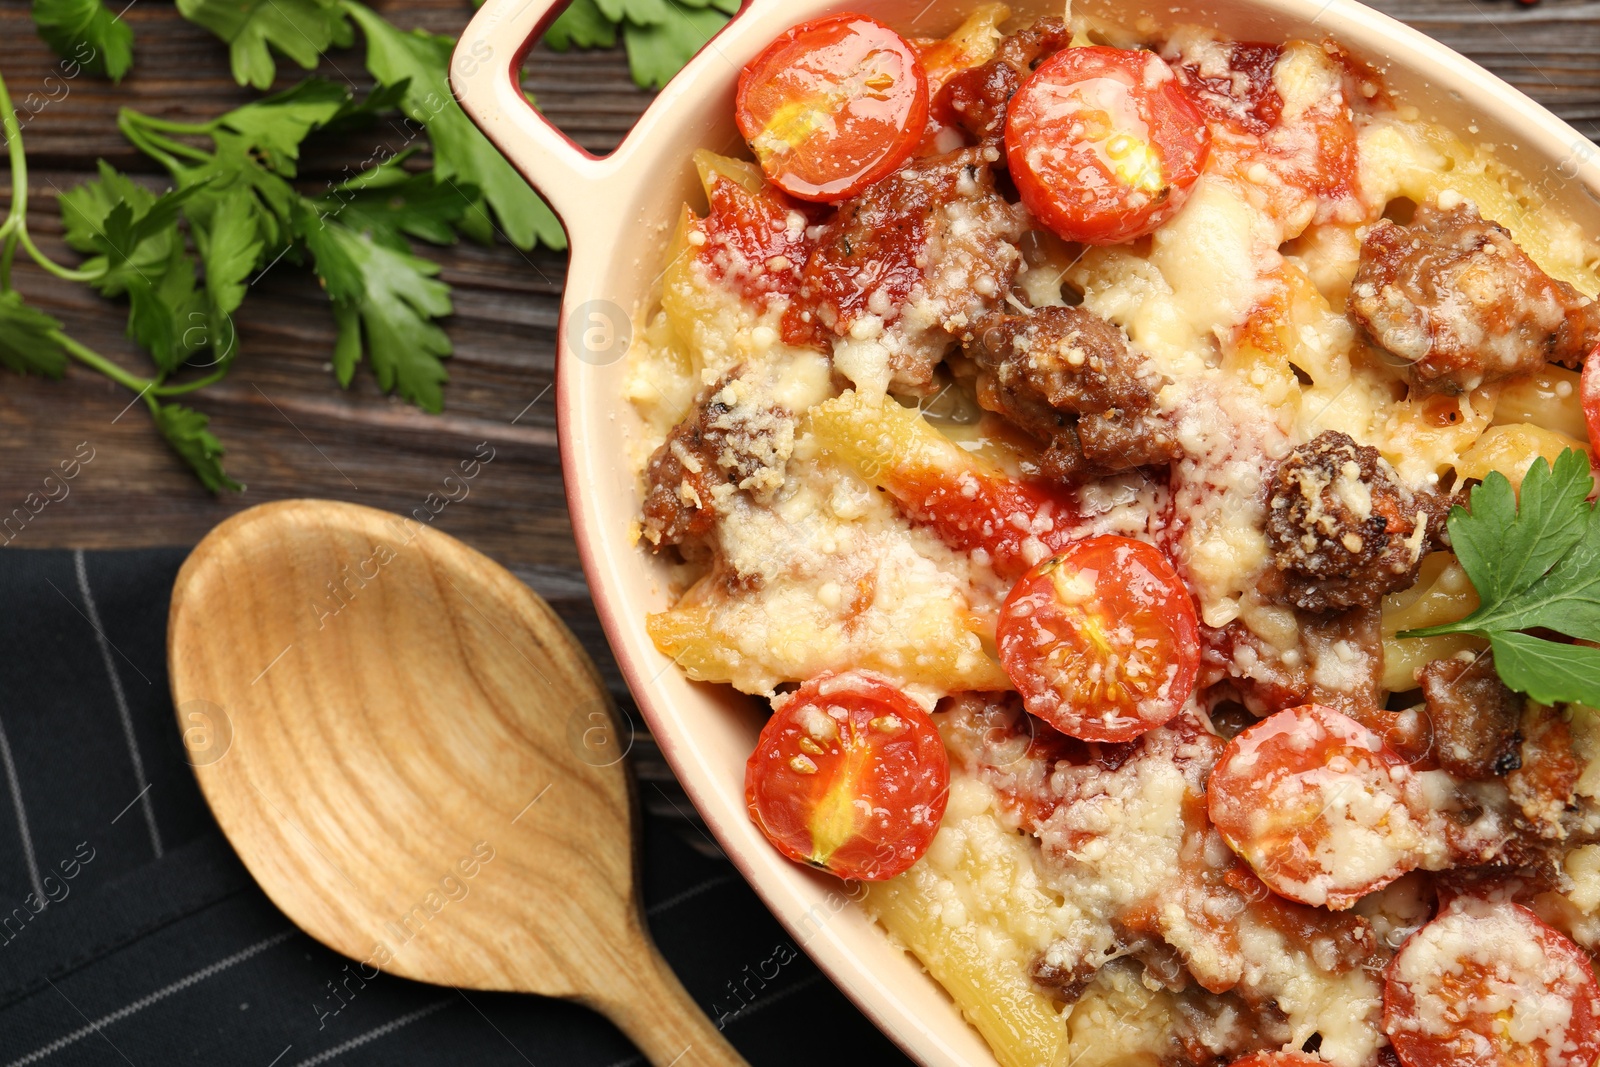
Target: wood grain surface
[(291, 432), (411, 769)]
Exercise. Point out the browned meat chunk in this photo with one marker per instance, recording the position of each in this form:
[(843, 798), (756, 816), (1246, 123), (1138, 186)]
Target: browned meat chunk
[(1344, 529), (1474, 717), (729, 439), (1065, 984), (975, 99), (912, 263), (1455, 297), (1239, 90), (1067, 379), (1543, 786), (1346, 648)]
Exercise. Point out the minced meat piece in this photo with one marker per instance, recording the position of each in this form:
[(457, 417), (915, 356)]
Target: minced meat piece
[(913, 263), (1065, 984), (730, 438), (1453, 296), (975, 99), (1474, 717), (1343, 528), (1067, 378)]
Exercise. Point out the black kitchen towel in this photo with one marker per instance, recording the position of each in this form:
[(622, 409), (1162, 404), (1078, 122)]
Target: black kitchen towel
[(130, 934)]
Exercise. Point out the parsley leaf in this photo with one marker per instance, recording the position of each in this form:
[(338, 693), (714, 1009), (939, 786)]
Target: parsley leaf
[(275, 126), (229, 249), (86, 32), (126, 230), (300, 29), (384, 302), (137, 249), (1535, 565), (582, 24), (386, 202), (660, 35), (166, 314), (461, 154), (657, 52), (29, 339), (640, 12), (85, 211), (185, 430), (1549, 672)]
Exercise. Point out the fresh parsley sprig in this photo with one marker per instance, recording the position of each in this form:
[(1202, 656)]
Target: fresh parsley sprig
[(184, 259), (246, 214), (133, 230), (1536, 567)]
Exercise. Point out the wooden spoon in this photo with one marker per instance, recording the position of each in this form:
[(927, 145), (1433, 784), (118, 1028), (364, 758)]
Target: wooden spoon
[(418, 763)]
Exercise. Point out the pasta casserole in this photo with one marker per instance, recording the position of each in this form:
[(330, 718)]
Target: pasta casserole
[(1148, 475)]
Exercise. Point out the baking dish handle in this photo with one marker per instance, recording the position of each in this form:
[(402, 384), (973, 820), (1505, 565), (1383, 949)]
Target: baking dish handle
[(484, 77)]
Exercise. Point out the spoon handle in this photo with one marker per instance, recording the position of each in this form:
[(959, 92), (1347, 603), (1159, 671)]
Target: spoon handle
[(650, 1005)]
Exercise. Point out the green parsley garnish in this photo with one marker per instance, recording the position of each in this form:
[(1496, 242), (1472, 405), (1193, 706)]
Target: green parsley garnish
[(184, 259), (1536, 567)]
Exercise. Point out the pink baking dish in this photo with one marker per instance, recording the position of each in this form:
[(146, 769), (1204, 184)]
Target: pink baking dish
[(617, 211)]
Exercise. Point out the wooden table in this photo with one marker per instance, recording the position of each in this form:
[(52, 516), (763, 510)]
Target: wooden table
[(291, 432)]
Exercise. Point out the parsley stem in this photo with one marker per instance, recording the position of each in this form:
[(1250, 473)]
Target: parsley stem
[(67, 274), (144, 142), (151, 122), (16, 215), (90, 358), (7, 252), (189, 387), (19, 161), (15, 226)]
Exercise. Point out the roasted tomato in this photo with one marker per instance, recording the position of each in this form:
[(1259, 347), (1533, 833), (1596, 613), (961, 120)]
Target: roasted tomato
[(1104, 144), (753, 237), (833, 105), (1489, 985), (1279, 1059), (1101, 640), (849, 775), (1589, 393), (1318, 806)]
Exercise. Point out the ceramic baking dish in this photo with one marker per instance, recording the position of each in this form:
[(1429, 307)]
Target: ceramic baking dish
[(617, 211)]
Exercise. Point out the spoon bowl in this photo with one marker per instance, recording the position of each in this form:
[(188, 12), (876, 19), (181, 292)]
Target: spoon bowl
[(418, 763)]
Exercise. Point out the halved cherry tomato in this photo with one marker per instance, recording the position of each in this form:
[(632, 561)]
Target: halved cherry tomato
[(849, 775), (1104, 144), (1589, 394), (1318, 806), (1279, 1059), (833, 105), (1101, 640), (1490, 985)]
